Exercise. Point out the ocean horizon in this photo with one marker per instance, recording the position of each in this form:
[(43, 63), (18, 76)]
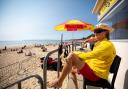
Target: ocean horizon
[(27, 42)]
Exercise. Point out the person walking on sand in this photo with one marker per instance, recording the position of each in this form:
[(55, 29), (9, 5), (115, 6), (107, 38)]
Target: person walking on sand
[(94, 64)]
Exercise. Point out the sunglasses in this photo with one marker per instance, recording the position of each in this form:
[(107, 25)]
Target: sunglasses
[(99, 31)]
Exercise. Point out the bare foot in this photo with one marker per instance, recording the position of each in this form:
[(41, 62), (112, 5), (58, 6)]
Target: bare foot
[(55, 84), (62, 56)]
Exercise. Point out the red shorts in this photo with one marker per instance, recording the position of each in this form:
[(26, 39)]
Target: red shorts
[(88, 73)]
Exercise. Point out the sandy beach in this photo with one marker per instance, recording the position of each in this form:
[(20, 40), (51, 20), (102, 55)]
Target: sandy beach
[(16, 64)]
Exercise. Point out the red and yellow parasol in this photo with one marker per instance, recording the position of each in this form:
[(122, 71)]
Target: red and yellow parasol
[(74, 25)]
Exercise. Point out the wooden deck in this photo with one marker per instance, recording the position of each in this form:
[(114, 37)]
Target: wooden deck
[(70, 84)]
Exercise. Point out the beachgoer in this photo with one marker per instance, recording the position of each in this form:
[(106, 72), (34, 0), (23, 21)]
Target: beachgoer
[(5, 48), (20, 51), (0, 51), (93, 65)]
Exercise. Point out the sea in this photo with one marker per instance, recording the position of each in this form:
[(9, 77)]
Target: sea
[(27, 42)]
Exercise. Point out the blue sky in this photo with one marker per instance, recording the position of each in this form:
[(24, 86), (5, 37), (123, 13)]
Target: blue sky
[(35, 19)]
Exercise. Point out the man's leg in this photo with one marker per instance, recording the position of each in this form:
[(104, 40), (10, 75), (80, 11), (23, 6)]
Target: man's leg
[(74, 78), (72, 60)]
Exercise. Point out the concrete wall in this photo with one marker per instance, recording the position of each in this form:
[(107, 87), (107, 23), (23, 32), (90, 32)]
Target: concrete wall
[(122, 76)]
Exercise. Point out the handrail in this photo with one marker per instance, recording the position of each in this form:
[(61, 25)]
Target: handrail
[(19, 82), (45, 68), (58, 64), (14, 69)]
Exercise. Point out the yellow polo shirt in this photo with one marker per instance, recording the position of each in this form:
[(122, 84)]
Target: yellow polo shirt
[(100, 58)]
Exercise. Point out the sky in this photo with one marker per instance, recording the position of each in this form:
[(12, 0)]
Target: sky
[(36, 19)]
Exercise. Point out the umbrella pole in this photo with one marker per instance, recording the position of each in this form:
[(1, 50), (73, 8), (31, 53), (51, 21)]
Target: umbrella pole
[(72, 46), (59, 53), (72, 42), (61, 39)]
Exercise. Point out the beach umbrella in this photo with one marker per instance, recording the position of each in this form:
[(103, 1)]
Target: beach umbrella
[(74, 25)]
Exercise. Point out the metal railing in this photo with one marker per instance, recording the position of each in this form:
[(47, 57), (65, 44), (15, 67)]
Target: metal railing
[(17, 71), (45, 68), (40, 81), (59, 50), (15, 68)]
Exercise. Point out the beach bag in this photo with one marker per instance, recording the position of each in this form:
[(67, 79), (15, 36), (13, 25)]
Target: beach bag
[(51, 63)]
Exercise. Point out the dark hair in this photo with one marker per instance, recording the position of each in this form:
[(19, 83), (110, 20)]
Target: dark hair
[(107, 35)]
